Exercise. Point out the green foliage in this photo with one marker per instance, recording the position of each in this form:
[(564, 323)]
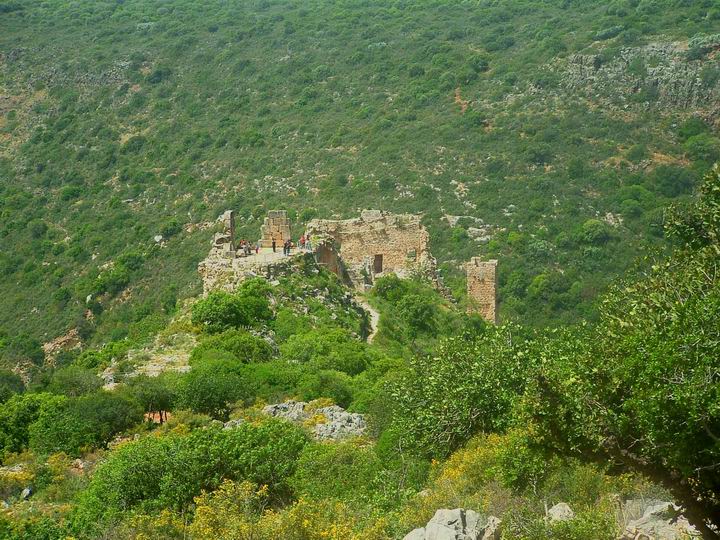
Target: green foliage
[(345, 471), (328, 348), (157, 472), (469, 385), (10, 384), (221, 310), (243, 345), (20, 348), (212, 385), (74, 381), (326, 383), (110, 169), (594, 231), (17, 415), (153, 394), (636, 387), (73, 424)]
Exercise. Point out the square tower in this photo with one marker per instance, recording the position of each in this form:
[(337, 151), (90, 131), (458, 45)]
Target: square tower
[(277, 226), (482, 287)]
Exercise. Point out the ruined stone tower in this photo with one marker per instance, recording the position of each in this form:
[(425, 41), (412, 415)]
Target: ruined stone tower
[(224, 241), (482, 288), (277, 226)]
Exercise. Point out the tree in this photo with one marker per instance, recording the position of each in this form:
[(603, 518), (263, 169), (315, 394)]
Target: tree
[(16, 416), (212, 385), (219, 311), (243, 345), (154, 394), (222, 310), (594, 231), (21, 348), (71, 425), (161, 472), (10, 384), (74, 381), (418, 313), (641, 388), (436, 410)]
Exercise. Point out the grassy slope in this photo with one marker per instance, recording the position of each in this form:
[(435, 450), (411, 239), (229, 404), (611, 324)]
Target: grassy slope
[(125, 119)]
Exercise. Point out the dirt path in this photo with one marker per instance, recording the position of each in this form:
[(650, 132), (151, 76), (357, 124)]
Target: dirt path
[(374, 317)]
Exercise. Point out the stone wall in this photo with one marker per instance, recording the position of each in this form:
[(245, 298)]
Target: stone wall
[(228, 274), (277, 226), (374, 244), (224, 240), (482, 288)]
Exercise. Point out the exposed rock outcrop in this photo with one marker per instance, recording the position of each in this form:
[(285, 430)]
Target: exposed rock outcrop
[(66, 342), (661, 520), (458, 524), (659, 72), (560, 512), (328, 423)]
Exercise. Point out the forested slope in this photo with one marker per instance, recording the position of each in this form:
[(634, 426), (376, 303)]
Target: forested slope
[(124, 120)]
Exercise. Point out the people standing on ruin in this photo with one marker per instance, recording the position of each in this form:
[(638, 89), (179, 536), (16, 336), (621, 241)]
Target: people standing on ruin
[(302, 242), (257, 247), (308, 245), (273, 244)]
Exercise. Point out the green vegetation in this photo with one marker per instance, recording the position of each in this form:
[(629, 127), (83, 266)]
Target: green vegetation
[(127, 120), (505, 420), (122, 121)]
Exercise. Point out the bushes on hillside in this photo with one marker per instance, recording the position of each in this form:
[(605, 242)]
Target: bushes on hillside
[(244, 346), (212, 385), (222, 310), (638, 388), (72, 425), (10, 384), (466, 387), (328, 348), (167, 472)]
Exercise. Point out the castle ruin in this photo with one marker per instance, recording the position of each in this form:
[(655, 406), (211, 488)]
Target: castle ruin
[(361, 249), (357, 250), (482, 288)]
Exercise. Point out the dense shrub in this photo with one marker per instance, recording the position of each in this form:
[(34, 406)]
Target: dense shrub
[(635, 388), (328, 348), (74, 381), (169, 471), (243, 345), (212, 385), (10, 384), (221, 310), (436, 410), (345, 471), (71, 425), (16, 416)]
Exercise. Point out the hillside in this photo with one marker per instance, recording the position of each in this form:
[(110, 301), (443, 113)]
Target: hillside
[(264, 411), (549, 135)]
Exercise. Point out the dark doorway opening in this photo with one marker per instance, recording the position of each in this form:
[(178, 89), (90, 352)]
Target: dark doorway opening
[(378, 264)]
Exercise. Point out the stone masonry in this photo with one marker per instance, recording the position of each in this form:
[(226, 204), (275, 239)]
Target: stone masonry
[(224, 240), (376, 243), (357, 250), (482, 288), (226, 267), (277, 226)]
